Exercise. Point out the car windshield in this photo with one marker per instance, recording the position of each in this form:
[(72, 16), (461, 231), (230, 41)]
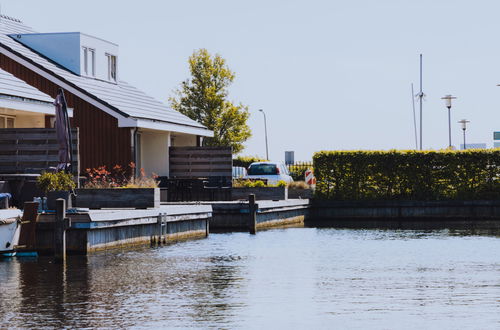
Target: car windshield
[(262, 169)]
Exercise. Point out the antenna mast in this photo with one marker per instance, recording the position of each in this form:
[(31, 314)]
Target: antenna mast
[(421, 96), (414, 116)]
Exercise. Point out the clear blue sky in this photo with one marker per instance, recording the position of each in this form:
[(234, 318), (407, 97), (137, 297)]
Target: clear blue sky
[(329, 74)]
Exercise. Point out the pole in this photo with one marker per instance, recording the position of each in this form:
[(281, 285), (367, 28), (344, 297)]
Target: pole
[(414, 117), (265, 132), (252, 210), (60, 225), (465, 146), (421, 96), (449, 126)]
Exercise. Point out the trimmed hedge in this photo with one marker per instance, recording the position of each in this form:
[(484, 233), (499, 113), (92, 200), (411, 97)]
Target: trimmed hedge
[(407, 175), (245, 161)]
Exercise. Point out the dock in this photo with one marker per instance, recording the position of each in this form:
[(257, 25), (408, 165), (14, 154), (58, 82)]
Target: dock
[(97, 230), (236, 215), (87, 231)]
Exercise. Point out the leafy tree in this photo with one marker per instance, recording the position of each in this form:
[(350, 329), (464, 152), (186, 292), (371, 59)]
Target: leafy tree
[(204, 98)]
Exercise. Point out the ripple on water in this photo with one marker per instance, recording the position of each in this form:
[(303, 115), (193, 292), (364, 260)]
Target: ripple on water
[(296, 277)]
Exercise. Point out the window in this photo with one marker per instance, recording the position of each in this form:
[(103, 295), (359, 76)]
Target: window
[(111, 67), (89, 61), (7, 122), (263, 169), (85, 60), (92, 61)]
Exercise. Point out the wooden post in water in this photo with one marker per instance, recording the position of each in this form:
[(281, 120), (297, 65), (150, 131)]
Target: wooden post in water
[(163, 226), (159, 221), (252, 218), (60, 225), (27, 239)]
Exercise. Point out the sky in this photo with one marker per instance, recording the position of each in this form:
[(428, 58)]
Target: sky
[(330, 75)]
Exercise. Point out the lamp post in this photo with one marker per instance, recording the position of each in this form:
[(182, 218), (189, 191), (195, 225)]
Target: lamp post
[(448, 99), (464, 127), (265, 132)]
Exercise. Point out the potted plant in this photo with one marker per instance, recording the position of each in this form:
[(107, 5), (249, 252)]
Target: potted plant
[(56, 185)]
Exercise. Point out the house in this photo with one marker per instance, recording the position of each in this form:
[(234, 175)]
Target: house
[(117, 122)]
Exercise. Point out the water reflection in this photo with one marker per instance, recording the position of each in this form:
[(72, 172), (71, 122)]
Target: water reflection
[(299, 277)]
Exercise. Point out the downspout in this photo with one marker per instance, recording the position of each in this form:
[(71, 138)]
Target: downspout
[(134, 149)]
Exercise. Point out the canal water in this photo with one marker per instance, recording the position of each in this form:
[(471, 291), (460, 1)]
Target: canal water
[(289, 278)]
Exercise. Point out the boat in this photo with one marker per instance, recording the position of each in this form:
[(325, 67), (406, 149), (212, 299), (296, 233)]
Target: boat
[(10, 229)]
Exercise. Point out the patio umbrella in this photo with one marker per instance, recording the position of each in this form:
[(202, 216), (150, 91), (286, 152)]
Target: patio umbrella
[(63, 133)]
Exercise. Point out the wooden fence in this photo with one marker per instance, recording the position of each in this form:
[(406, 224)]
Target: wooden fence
[(32, 150), (200, 162)]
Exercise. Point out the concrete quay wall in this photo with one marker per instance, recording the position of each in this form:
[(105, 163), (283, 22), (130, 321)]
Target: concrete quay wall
[(405, 214), (235, 216)]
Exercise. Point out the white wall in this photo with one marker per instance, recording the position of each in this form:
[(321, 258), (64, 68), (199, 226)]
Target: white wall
[(65, 48), (102, 48), (183, 140), (154, 155)]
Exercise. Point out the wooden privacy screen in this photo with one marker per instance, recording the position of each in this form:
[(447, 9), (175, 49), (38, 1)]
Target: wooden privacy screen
[(200, 162), (32, 150)]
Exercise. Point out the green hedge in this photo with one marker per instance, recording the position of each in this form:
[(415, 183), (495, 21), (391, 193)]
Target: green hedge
[(407, 175), (245, 161), (298, 170)]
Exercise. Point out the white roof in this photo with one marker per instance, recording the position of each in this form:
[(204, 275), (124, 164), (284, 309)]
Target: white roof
[(11, 86), (131, 106)]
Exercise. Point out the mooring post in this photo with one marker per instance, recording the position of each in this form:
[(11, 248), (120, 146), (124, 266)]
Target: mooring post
[(157, 239), (60, 225), (252, 219), (27, 239), (165, 228)]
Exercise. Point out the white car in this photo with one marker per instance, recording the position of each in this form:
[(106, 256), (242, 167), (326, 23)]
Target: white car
[(270, 171), (239, 172)]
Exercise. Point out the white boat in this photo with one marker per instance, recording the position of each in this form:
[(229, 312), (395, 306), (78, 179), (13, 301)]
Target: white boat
[(10, 228)]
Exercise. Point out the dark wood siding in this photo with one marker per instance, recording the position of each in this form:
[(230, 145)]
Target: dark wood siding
[(196, 162), (102, 142)]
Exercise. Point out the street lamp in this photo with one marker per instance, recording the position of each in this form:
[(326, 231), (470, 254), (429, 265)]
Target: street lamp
[(448, 99), (464, 127), (265, 131)]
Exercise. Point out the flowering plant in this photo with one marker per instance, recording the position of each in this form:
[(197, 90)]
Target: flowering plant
[(119, 177)]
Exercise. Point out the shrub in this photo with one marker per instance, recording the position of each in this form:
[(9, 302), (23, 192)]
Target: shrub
[(298, 169), (245, 161), (55, 181), (242, 183), (259, 183), (281, 183), (298, 185), (118, 177), (410, 175)]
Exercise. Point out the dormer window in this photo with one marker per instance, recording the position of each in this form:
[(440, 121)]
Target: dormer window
[(88, 61), (111, 67)]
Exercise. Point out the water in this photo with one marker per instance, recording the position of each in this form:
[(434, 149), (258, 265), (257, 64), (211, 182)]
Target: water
[(290, 278)]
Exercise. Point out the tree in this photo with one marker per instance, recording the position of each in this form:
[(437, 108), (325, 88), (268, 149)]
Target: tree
[(204, 98)]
